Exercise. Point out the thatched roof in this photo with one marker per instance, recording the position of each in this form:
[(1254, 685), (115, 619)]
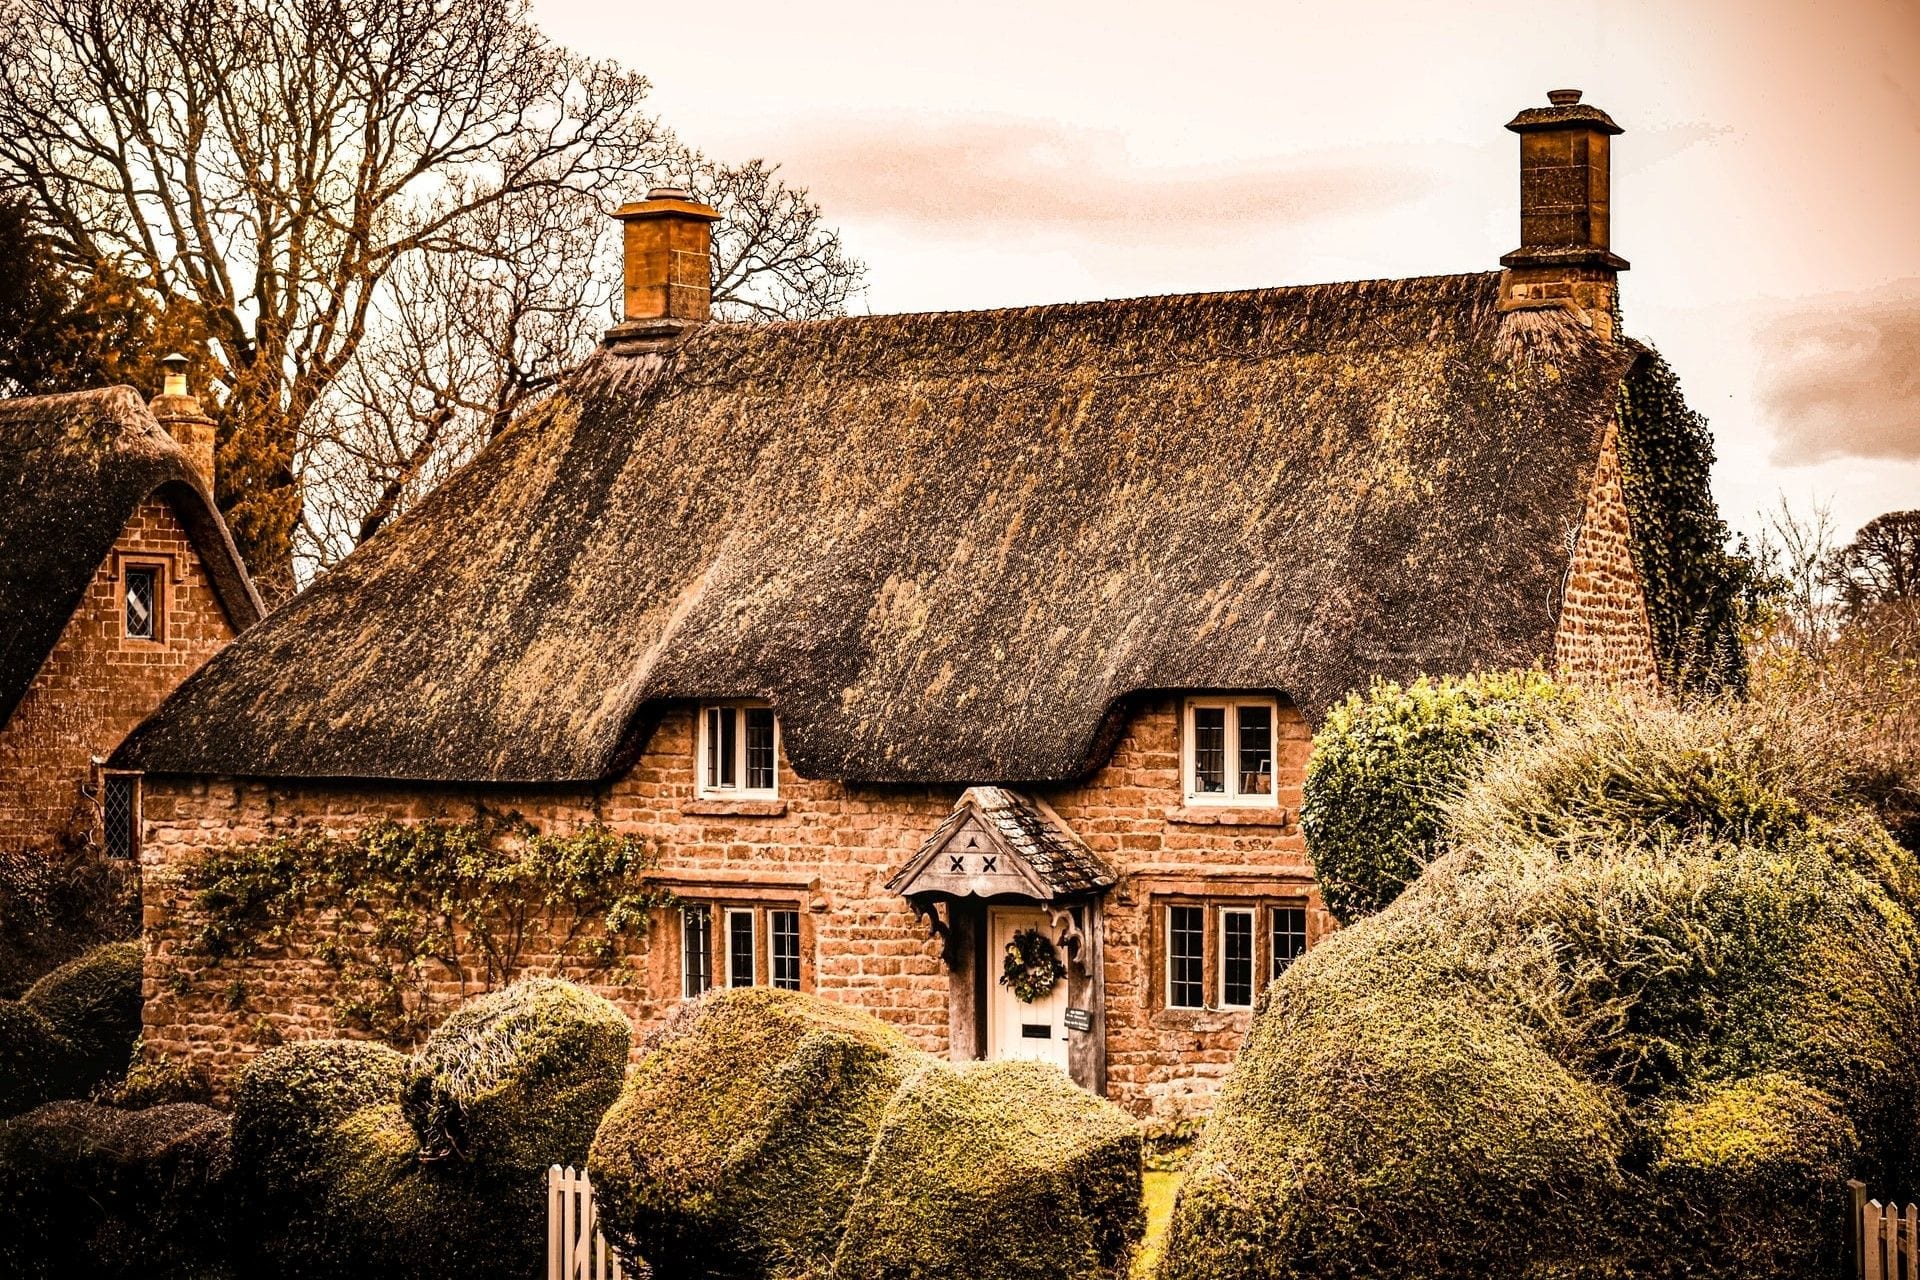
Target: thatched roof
[(948, 547), (73, 469)]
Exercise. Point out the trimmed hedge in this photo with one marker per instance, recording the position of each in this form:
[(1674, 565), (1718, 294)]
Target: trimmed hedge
[(341, 1184), (996, 1171), (92, 1192), (31, 1054), (738, 1143), (519, 1078), (1656, 1001), (93, 1003), (1385, 764)]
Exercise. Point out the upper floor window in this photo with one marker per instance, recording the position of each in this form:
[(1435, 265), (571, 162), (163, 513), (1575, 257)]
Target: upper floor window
[(142, 602), (739, 745), (1229, 751)]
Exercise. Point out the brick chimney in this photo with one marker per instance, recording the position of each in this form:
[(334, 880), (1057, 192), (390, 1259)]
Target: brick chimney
[(180, 413), (668, 245), (1564, 259)]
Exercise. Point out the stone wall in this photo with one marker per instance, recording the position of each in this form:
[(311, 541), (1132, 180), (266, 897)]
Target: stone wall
[(97, 683), (823, 847), (1604, 637)]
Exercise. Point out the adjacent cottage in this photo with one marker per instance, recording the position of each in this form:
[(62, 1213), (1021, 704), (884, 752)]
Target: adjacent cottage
[(117, 580), (914, 638)]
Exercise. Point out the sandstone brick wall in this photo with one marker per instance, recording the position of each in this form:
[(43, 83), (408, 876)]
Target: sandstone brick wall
[(1604, 636), (824, 847), (97, 683)]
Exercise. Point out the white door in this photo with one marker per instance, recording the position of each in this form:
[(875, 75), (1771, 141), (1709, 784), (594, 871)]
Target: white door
[(1015, 1030)]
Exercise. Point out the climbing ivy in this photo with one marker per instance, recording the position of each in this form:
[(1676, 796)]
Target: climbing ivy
[(400, 906), (1699, 590)]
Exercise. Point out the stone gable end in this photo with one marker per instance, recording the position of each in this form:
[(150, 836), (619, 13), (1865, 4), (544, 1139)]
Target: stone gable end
[(1604, 636)]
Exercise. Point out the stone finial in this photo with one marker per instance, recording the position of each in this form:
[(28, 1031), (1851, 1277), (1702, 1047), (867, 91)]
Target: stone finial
[(179, 411), (668, 247), (1565, 258)]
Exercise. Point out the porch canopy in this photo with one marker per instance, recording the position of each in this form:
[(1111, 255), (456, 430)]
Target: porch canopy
[(998, 843)]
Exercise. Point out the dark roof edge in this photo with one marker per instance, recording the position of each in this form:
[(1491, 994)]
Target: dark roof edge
[(207, 530)]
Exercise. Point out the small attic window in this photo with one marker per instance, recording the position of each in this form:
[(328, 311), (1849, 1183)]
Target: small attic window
[(739, 750), (142, 602), (1229, 751)]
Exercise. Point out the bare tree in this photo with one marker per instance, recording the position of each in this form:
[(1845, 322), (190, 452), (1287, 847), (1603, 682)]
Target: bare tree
[(1795, 551), (1881, 566), (306, 173)]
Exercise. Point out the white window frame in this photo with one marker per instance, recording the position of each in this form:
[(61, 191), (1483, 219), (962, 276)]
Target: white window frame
[(1232, 796), (1274, 968), (1167, 996), (753, 945), (799, 950), (686, 974), (1252, 915), (709, 788)]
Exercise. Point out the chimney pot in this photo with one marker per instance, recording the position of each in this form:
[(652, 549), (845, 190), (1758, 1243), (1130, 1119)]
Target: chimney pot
[(179, 411), (667, 244), (1563, 97)]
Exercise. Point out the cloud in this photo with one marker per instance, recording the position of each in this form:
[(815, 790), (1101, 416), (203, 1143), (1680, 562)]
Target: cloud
[(1842, 377), (1008, 178)]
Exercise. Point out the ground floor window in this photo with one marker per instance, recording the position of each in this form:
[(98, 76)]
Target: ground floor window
[(1216, 951), (757, 944), (120, 815)]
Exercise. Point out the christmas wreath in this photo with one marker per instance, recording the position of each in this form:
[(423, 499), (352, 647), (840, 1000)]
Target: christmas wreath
[(1032, 967)]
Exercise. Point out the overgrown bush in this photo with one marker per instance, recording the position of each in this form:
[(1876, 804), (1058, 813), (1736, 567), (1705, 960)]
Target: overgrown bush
[(58, 902), (1663, 984), (340, 1183), (996, 1171), (93, 1005), (154, 1078), (31, 1053), (96, 1193), (1384, 766), (738, 1142)]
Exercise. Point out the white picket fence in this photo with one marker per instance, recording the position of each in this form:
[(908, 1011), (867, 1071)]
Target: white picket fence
[(575, 1248), (1886, 1239)]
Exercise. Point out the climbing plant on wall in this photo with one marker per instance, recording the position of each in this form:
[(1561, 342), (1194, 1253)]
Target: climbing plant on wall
[(1698, 589), (396, 907)]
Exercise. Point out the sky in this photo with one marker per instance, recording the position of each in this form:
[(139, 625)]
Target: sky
[(1766, 191)]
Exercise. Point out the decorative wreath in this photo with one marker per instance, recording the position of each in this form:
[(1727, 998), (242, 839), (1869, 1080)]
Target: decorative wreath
[(1032, 967)]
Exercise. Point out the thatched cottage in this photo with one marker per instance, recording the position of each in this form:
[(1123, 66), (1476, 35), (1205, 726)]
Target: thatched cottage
[(908, 635), (117, 580)]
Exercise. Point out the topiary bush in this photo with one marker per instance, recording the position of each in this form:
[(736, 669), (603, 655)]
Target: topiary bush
[(1385, 764), (739, 1140), (996, 1171), (31, 1054), (93, 1004), (341, 1183), (96, 1193), (1656, 1001)]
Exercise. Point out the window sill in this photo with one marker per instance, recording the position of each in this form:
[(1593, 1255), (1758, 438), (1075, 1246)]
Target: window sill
[(715, 807), (1206, 815), (1200, 1021)]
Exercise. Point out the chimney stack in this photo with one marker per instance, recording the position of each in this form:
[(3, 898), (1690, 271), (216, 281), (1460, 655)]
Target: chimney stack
[(179, 411), (1564, 259), (668, 245)]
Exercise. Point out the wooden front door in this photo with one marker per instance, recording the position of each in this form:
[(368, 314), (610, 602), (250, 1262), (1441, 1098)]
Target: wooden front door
[(1037, 1031)]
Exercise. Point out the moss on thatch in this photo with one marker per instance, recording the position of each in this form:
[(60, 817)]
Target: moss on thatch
[(519, 1078), (93, 1004), (1667, 971), (996, 1171), (739, 1140), (96, 1193)]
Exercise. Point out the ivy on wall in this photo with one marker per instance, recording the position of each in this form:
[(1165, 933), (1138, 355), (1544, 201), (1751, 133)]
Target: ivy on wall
[(396, 906), (1698, 590)]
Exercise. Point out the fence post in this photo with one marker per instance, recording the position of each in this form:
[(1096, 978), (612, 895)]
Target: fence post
[(1856, 1227)]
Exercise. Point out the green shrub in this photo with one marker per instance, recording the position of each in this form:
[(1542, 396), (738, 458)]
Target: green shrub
[(58, 902), (31, 1056), (93, 1003), (1385, 764), (1663, 984), (996, 1171), (94, 1192), (519, 1078), (736, 1146), (153, 1079)]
